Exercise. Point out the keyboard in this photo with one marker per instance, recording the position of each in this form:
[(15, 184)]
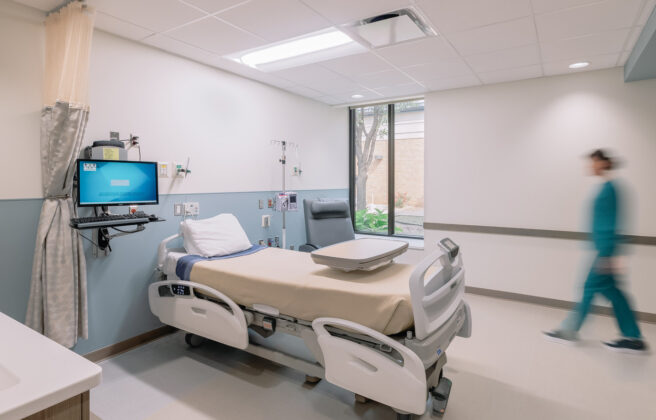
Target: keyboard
[(112, 220)]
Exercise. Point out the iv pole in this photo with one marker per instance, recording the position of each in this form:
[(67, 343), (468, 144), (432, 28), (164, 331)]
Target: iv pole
[(283, 160)]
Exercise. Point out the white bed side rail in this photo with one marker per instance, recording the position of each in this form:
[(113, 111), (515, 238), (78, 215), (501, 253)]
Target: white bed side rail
[(368, 372), (437, 286), (199, 316), (162, 249)]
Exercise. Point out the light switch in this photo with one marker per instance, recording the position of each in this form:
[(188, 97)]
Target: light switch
[(163, 169)]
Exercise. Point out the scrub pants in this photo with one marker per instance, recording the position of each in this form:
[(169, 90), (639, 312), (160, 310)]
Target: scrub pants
[(604, 284)]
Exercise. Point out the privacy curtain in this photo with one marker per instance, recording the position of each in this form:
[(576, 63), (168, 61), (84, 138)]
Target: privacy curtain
[(57, 305)]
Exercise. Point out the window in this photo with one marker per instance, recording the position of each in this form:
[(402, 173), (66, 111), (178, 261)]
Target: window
[(387, 168)]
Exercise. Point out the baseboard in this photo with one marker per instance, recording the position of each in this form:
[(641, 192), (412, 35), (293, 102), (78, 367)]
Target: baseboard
[(553, 303), (125, 345)]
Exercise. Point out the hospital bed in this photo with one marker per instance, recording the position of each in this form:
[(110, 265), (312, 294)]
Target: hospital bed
[(381, 334)]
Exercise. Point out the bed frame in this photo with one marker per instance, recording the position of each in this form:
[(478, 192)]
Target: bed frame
[(403, 371)]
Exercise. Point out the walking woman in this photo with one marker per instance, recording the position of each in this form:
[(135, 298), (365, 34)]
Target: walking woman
[(602, 278)]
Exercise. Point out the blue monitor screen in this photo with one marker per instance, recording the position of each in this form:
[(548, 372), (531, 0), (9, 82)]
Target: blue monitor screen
[(115, 182)]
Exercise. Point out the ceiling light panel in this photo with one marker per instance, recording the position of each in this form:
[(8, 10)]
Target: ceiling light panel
[(312, 48)]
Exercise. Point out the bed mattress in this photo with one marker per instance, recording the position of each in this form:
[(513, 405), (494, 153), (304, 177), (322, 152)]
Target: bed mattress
[(292, 283)]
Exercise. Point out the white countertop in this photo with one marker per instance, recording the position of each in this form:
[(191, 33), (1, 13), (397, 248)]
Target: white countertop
[(36, 372)]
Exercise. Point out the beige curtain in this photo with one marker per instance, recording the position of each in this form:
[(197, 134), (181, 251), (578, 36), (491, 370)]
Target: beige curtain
[(57, 305)]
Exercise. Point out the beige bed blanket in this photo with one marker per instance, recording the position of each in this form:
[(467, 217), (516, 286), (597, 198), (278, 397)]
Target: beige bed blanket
[(291, 282)]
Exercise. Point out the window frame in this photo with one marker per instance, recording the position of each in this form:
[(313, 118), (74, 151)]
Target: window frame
[(391, 140)]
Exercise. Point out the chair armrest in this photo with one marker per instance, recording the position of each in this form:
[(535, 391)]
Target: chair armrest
[(307, 248)]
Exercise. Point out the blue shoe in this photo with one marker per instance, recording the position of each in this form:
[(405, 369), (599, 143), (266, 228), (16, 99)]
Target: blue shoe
[(627, 345), (562, 336)]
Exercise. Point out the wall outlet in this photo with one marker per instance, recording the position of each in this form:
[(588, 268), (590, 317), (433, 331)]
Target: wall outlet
[(270, 203), (261, 204), (178, 170), (191, 209), (163, 169), (266, 220), (261, 242), (178, 209)]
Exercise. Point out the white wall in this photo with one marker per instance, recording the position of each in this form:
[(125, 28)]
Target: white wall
[(179, 109), (21, 80), (511, 155)]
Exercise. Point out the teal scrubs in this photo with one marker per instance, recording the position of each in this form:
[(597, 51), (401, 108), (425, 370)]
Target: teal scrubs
[(606, 242)]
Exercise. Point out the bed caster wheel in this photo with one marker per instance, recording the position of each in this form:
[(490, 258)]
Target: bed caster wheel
[(193, 340), (361, 399)]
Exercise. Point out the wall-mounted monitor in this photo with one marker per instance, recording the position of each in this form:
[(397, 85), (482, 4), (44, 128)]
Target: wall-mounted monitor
[(116, 183)]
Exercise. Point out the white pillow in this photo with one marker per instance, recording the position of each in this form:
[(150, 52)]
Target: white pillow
[(216, 236)]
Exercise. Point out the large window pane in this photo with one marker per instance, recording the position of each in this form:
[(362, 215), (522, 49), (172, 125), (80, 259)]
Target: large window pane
[(409, 168), (371, 168)]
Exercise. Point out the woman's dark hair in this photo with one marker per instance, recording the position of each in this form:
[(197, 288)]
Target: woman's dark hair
[(601, 154)]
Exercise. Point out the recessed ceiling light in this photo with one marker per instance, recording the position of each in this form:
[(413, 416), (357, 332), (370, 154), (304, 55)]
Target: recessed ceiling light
[(310, 48), (580, 65), (357, 96)]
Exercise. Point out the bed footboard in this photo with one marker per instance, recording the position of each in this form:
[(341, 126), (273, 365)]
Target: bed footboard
[(437, 289), (367, 372), (175, 303)]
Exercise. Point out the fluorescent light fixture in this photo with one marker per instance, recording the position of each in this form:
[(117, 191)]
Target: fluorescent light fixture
[(357, 96), (579, 65), (310, 48)]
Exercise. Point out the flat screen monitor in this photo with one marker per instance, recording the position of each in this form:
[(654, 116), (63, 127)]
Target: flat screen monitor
[(116, 183)]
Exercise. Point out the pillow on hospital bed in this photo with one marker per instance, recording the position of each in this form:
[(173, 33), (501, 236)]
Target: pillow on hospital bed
[(217, 236)]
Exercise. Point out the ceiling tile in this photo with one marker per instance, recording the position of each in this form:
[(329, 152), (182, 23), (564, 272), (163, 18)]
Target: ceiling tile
[(452, 82), (590, 19), (367, 95), (438, 70), (495, 37), (346, 11), (624, 58), (176, 47), (505, 59), (596, 63), (275, 20), (458, 15), (633, 38), (311, 73), (213, 6), (580, 48), (646, 12), (401, 90), (216, 36), (44, 5), (156, 15), (508, 75), (423, 51), (329, 100), (383, 78), (121, 28), (334, 86), (356, 65), (545, 6), (305, 91)]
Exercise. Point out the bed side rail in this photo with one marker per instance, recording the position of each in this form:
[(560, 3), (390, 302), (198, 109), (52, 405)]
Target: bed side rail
[(437, 287), (175, 303), (162, 249), (368, 372)]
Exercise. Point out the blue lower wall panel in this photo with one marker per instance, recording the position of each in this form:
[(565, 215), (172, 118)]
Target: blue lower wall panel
[(118, 283)]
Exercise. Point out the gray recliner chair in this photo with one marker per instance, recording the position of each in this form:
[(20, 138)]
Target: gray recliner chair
[(327, 222)]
